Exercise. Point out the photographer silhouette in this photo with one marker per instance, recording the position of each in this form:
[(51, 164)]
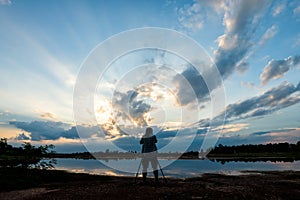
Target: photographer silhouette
[(149, 151)]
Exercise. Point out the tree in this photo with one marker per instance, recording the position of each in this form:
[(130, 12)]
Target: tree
[(27, 156)]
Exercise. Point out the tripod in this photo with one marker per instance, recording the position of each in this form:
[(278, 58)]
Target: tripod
[(138, 171)]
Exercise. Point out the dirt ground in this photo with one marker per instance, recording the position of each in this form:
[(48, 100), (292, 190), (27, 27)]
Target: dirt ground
[(254, 185)]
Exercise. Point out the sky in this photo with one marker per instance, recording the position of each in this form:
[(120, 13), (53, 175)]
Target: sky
[(255, 46)]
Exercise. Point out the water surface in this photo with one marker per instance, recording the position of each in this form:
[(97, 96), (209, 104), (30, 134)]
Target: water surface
[(178, 169)]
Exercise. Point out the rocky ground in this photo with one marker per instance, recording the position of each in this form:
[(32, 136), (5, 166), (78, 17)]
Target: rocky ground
[(62, 185)]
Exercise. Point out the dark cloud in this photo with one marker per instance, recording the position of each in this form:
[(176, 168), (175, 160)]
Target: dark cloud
[(262, 137), (49, 130), (227, 60), (260, 112), (273, 131), (164, 137), (7, 116), (289, 101), (128, 143), (166, 134), (274, 99), (261, 133), (83, 132), (129, 108), (133, 143), (137, 110), (190, 86), (40, 130), (242, 67), (277, 68), (47, 115), (70, 147), (22, 136), (71, 133), (240, 19)]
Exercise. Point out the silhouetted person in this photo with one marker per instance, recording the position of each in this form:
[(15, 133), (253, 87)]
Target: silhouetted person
[(149, 151)]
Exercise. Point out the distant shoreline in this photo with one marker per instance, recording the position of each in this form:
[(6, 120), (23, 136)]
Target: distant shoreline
[(229, 157)]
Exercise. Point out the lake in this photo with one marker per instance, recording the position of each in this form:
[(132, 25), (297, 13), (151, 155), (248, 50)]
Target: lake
[(178, 169)]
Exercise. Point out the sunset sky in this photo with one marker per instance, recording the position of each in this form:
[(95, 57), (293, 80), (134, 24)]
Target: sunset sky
[(254, 44)]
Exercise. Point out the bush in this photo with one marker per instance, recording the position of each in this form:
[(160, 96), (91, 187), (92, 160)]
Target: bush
[(27, 156)]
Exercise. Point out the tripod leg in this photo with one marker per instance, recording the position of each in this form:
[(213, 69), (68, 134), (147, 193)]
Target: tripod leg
[(162, 172), (138, 171)]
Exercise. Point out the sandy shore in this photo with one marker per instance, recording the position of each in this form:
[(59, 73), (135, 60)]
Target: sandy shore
[(256, 185)]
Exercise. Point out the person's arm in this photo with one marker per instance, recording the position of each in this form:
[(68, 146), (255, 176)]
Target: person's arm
[(155, 139), (142, 141)]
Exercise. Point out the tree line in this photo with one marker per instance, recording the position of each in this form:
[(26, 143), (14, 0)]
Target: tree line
[(26, 156), (29, 156), (257, 148)]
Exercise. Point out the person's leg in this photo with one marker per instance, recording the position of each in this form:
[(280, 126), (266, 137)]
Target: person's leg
[(155, 172), (145, 164), (154, 164)]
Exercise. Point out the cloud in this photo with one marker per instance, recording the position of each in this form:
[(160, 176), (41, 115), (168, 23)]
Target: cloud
[(240, 20), (5, 2), (297, 41), (248, 85), (190, 86), (290, 135), (70, 147), (279, 8), (84, 132), (7, 116), (242, 67), (191, 16), (22, 136), (297, 10), (260, 112), (272, 100), (166, 134), (275, 69), (137, 110), (273, 131), (50, 130), (40, 130), (47, 115), (270, 32), (275, 136), (164, 137), (170, 134), (129, 108), (230, 128), (128, 143)]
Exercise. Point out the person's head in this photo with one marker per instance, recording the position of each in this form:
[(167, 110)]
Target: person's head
[(149, 131)]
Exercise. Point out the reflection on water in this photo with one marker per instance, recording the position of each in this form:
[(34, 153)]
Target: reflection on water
[(253, 159), (92, 171), (178, 169)]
